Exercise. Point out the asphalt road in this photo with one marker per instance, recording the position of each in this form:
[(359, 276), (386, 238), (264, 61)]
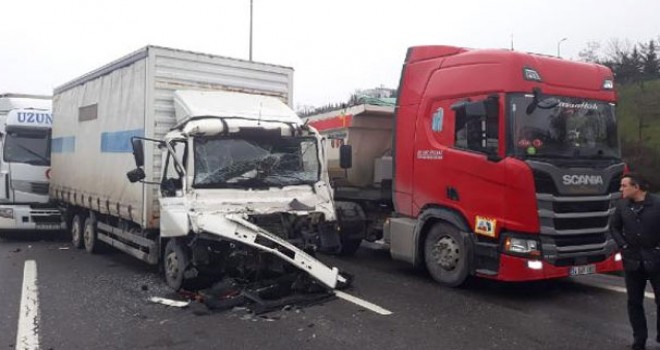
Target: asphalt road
[(101, 302)]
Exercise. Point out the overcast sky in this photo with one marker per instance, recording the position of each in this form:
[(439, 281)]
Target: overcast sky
[(334, 46)]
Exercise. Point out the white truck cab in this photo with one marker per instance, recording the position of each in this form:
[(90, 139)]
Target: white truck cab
[(245, 168), (25, 136)]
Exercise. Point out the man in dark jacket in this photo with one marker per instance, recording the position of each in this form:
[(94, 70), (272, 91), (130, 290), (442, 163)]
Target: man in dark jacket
[(635, 227)]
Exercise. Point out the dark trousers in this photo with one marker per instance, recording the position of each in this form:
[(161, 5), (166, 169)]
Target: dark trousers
[(635, 286)]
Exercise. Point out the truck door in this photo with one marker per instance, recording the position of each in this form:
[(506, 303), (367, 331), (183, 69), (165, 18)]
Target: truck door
[(173, 212)]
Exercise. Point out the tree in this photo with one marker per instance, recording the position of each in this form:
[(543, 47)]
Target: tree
[(650, 62), (590, 53)]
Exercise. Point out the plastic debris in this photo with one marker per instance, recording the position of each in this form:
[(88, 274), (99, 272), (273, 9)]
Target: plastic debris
[(169, 302)]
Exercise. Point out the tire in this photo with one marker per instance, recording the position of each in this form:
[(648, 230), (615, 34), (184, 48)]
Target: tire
[(90, 237), (77, 231), (349, 246), (447, 256), (175, 264)]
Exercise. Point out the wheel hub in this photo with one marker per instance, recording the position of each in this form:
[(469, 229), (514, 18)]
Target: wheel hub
[(172, 265), (88, 237), (446, 253)]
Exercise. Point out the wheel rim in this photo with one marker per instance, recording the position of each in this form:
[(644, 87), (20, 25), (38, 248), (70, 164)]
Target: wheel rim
[(172, 266), (88, 238), (446, 253)]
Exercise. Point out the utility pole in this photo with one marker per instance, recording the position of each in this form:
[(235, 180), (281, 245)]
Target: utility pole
[(559, 46), (251, 30)]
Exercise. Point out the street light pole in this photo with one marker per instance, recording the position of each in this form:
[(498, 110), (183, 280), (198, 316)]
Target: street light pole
[(559, 46), (250, 30)]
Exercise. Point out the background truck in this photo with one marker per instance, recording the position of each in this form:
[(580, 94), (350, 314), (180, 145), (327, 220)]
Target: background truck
[(25, 129), (493, 163), (233, 177)]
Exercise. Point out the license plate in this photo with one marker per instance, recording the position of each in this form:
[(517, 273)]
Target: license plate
[(48, 226), (583, 270)]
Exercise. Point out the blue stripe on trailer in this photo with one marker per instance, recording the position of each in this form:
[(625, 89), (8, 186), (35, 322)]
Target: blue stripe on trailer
[(64, 144), (119, 141)]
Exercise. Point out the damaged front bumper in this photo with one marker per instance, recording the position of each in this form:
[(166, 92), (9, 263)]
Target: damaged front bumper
[(236, 228)]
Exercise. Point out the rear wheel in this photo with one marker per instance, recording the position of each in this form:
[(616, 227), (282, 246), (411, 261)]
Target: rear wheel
[(90, 236), (77, 231), (447, 255)]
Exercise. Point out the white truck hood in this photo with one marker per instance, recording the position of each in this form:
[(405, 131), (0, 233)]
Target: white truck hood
[(300, 200)]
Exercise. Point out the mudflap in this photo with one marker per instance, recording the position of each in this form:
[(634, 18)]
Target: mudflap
[(235, 227)]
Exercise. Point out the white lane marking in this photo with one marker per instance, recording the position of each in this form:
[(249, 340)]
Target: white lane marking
[(606, 286), (365, 304), (621, 290), (27, 337)]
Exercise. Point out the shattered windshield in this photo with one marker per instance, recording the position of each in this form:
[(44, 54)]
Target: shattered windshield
[(561, 127), (27, 145), (255, 162)]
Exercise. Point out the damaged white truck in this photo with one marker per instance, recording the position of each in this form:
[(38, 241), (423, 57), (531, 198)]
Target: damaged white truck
[(229, 181)]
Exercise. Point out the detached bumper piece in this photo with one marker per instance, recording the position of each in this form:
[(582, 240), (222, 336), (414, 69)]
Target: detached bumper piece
[(236, 228)]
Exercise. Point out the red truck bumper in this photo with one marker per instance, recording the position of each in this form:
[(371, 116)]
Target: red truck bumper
[(517, 269)]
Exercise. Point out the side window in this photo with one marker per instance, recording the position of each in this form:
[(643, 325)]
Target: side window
[(477, 125), (172, 184)]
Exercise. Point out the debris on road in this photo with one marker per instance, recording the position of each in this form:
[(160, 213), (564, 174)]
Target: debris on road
[(169, 302), (266, 295)]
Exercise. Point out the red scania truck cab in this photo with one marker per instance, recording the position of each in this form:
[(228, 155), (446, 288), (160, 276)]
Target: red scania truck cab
[(506, 165)]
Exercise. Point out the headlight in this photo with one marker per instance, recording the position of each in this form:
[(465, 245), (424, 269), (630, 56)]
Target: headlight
[(7, 213), (521, 246)]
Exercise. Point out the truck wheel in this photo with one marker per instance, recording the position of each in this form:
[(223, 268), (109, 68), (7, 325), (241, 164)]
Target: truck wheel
[(175, 263), (77, 231), (90, 236), (349, 246), (446, 255)]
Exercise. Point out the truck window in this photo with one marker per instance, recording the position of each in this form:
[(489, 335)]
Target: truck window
[(27, 145), (479, 134), (172, 176)]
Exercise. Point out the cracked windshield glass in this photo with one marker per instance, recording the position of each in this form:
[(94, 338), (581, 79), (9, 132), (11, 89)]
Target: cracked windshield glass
[(560, 127), (265, 162)]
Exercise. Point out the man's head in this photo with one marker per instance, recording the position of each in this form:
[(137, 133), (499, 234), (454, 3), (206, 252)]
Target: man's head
[(633, 186)]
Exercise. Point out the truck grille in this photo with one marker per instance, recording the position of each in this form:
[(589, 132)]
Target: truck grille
[(39, 188), (47, 219), (574, 218), (30, 187)]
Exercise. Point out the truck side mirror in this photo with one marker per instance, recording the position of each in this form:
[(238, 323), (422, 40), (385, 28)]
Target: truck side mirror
[(135, 175), (138, 152), (345, 156)]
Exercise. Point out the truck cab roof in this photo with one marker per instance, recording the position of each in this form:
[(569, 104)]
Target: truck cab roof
[(217, 112)]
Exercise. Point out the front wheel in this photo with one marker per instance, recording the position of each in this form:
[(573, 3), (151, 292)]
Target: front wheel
[(175, 264), (447, 255)]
